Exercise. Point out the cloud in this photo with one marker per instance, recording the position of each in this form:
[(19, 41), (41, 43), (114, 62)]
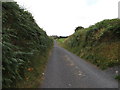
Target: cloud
[(91, 2), (60, 17)]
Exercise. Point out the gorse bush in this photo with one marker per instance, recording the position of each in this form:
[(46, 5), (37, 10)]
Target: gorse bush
[(22, 39), (98, 43)]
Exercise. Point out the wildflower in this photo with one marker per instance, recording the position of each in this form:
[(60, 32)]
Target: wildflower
[(30, 69)]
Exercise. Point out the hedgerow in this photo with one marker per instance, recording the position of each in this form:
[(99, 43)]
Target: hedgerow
[(22, 39), (98, 43)]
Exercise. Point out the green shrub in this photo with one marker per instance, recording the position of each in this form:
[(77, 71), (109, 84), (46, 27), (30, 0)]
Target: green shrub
[(22, 40)]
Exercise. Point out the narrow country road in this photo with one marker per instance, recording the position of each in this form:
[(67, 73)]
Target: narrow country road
[(66, 70)]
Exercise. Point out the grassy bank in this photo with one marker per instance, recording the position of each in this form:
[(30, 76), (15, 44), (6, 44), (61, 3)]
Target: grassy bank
[(98, 44), (25, 48)]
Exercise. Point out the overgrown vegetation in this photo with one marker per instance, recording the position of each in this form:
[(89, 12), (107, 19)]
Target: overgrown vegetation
[(22, 43), (117, 77), (98, 43)]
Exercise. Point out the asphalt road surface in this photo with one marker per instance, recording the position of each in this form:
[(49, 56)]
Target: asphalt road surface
[(66, 70)]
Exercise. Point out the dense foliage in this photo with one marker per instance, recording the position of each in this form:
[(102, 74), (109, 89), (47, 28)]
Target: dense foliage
[(22, 39), (79, 28), (98, 43)]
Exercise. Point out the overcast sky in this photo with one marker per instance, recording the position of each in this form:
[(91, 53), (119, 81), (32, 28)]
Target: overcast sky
[(61, 17)]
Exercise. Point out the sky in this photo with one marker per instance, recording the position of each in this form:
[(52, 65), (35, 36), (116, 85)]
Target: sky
[(61, 17)]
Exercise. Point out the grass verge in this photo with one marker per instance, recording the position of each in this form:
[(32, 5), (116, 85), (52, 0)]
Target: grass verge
[(117, 77), (35, 74)]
